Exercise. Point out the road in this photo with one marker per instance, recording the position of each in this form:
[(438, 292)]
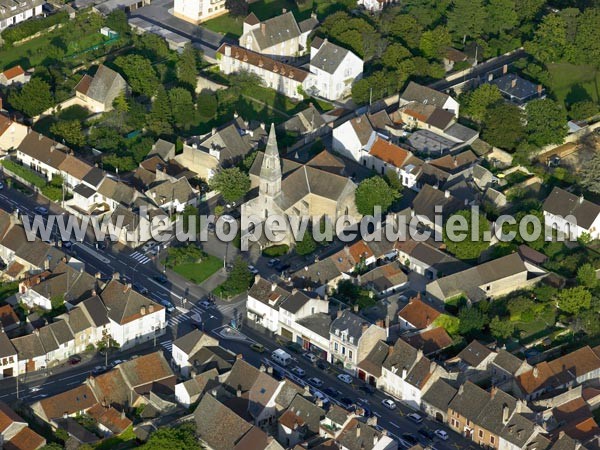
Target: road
[(139, 269)]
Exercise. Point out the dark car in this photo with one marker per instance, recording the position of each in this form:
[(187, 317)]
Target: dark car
[(367, 389), (160, 278), (282, 267), (426, 434), (140, 288), (331, 392), (323, 365), (75, 359), (347, 403), (365, 411), (66, 244), (410, 438), (294, 347), (99, 370)]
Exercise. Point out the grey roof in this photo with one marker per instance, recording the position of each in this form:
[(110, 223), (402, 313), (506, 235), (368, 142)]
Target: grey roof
[(188, 342), (105, 86), (329, 57), (96, 311), (563, 203), (117, 191), (402, 356), (164, 149), (373, 362), (491, 416), (48, 340), (295, 302), (212, 357), (61, 331), (276, 30), (305, 121), (565, 442), (428, 198), (461, 132), (352, 439), (320, 323), (513, 85), (363, 129), (469, 401), (29, 346), (349, 322), (439, 395), (286, 394), (123, 304), (309, 24), (287, 165), (94, 177), (268, 293), (337, 415), (474, 353), (507, 361), (518, 431), (242, 376), (43, 149), (433, 257), (77, 320), (84, 190), (6, 347), (171, 190), (416, 93), (428, 141), (308, 411)]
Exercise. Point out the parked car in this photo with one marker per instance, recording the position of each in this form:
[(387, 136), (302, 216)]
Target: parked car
[(416, 418), (66, 244), (75, 359), (1, 185), (41, 210), (347, 403), (160, 278), (273, 262), (323, 365), (428, 435), (345, 378), (257, 347), (410, 438), (148, 245), (311, 357), (298, 371), (99, 370), (389, 403), (168, 306), (205, 304), (282, 267), (332, 392), (320, 396), (253, 270), (116, 362), (140, 288), (293, 347), (441, 434), (315, 381), (367, 389)]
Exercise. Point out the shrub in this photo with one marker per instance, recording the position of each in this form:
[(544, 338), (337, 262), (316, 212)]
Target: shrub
[(32, 26), (25, 173), (276, 250)]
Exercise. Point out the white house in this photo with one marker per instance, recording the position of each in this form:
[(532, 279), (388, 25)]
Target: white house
[(384, 156), (262, 305), (186, 346), (8, 357), (173, 195), (375, 5), (41, 154), (196, 11), (11, 133), (333, 69), (298, 306), (571, 215), (12, 13), (352, 136), (422, 94)]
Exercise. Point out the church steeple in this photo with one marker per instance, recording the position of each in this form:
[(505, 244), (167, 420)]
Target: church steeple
[(270, 171)]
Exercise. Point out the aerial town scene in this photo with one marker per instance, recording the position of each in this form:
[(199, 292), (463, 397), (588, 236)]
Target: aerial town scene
[(300, 224)]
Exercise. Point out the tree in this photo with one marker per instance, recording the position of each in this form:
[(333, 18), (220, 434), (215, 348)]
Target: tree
[(546, 122), (583, 110), (187, 67), (57, 301), (466, 18), (117, 21), (476, 103), (32, 98), (433, 43), (70, 131), (528, 9), (588, 175), (449, 323), (306, 245), (549, 43), (586, 276), (106, 344), (374, 192), (467, 248), (121, 104), (182, 437), (394, 55), (406, 28), (160, 117), (501, 15), (188, 212), (471, 321), (393, 181), (504, 126), (501, 328), (182, 108), (574, 300), (139, 73), (232, 183), (239, 279), (207, 105), (237, 8)]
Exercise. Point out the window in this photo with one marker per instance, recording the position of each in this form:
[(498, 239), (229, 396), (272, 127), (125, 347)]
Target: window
[(343, 350), (335, 347), (480, 433), (350, 354), (492, 440)]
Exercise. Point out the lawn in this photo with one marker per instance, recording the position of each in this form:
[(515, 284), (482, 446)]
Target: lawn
[(198, 272), (570, 83), (123, 441), (264, 9)]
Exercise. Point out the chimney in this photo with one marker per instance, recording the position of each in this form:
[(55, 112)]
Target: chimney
[(143, 311), (447, 193), (270, 370), (404, 373), (535, 372), (116, 276), (504, 69), (263, 126), (283, 10), (263, 28), (365, 327), (239, 356), (294, 291), (228, 50), (357, 430), (505, 414), (273, 286), (513, 83), (52, 147), (235, 115), (307, 391), (126, 287), (355, 308), (39, 137), (94, 293), (262, 368), (581, 199), (540, 88), (150, 309), (256, 278), (98, 275), (213, 131), (238, 393), (339, 313), (372, 421), (490, 77)]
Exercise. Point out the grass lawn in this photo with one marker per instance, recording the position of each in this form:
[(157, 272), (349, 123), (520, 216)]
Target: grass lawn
[(198, 272), (542, 325), (7, 289), (571, 83), (123, 441)]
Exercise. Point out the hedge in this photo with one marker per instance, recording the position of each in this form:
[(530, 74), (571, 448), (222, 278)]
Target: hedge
[(24, 172), (32, 26), (276, 250)]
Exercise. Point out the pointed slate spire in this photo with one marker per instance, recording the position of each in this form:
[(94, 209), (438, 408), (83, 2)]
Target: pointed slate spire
[(270, 171)]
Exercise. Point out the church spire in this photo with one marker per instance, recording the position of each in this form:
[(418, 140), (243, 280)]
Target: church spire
[(270, 171)]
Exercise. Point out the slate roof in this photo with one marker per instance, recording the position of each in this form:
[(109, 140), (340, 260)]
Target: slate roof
[(319, 323), (417, 93), (329, 57), (74, 285), (439, 395), (460, 132), (363, 129), (507, 361), (276, 30), (519, 430), (95, 311), (428, 198), (563, 203), (43, 149), (189, 342), (162, 148), (295, 302), (28, 346), (69, 402), (84, 190), (373, 362), (350, 323), (308, 411), (125, 305), (474, 353), (94, 177), (358, 436), (491, 416), (431, 256), (102, 85), (469, 401), (170, 190), (305, 121), (217, 425), (513, 85)]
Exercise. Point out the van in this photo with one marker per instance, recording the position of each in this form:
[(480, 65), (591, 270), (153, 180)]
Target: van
[(281, 357)]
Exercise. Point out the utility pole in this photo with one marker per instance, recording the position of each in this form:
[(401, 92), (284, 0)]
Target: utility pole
[(17, 382)]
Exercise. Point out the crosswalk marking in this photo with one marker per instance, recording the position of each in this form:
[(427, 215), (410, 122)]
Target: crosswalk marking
[(167, 345), (197, 309), (139, 257)]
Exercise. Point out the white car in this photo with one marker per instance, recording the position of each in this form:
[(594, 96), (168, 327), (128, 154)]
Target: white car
[(227, 218), (298, 371), (415, 418), (315, 382), (345, 378), (441, 434), (388, 403), (311, 357), (253, 270), (320, 396)]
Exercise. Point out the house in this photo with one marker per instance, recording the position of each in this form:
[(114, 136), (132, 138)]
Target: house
[(473, 362), (436, 399), (222, 147), (571, 215), (284, 78), (262, 304), (41, 154), (8, 357), (384, 280), (384, 157), (506, 366), (165, 150), (417, 315), (426, 116), (375, 5), (14, 75), (304, 126), (31, 353), (352, 136), (186, 346), (98, 92), (108, 419), (11, 133), (333, 69), (279, 37), (431, 203), (369, 368), (453, 56), (8, 318), (422, 94), (197, 11), (358, 434), (488, 280), (190, 391), (516, 89), (465, 407), (173, 196), (427, 260), (66, 404), (351, 339), (12, 14), (406, 373), (15, 433), (295, 307)]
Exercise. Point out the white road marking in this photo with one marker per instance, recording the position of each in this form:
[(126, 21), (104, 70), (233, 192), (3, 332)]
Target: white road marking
[(393, 424)]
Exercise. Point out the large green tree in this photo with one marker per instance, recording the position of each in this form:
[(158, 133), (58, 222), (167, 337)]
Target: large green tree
[(466, 18), (434, 43), (32, 98), (546, 122), (476, 103), (549, 43), (374, 192), (574, 300), (471, 321), (501, 16), (187, 67), (588, 175), (471, 246), (139, 73), (207, 105), (70, 131), (182, 437), (501, 328), (586, 276), (182, 108), (503, 126), (405, 28), (161, 117), (394, 55), (232, 183)]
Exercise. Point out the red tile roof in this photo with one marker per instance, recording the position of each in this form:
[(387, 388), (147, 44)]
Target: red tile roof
[(8, 417), (389, 153), (13, 72), (418, 313), (26, 439)]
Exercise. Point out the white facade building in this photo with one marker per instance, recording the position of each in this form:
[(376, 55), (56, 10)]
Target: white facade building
[(196, 11)]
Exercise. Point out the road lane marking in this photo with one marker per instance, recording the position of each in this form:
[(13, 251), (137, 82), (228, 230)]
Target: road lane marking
[(395, 425)]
